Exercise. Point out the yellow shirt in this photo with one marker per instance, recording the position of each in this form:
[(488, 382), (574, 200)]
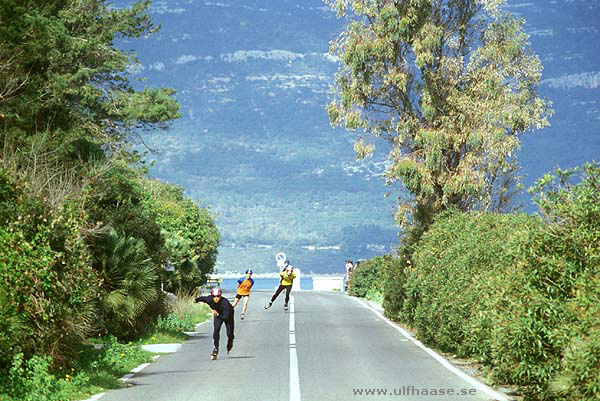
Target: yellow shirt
[(287, 279)]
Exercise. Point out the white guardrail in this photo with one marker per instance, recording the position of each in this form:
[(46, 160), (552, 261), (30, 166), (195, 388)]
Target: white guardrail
[(328, 283)]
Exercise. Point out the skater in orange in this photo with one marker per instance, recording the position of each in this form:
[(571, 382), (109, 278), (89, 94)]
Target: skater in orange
[(243, 291)]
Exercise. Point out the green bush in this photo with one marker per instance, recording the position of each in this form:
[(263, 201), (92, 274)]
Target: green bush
[(128, 281), (115, 199), (46, 281), (191, 235), (118, 358), (481, 289), (395, 286), (579, 377), (453, 288), (172, 323), (368, 279), (571, 201), (129, 257), (519, 293), (32, 380)]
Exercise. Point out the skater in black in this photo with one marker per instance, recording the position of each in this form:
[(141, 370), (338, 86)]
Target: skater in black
[(223, 313), (287, 280)]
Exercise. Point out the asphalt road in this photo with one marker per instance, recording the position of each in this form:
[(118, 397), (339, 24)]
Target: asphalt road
[(328, 346)]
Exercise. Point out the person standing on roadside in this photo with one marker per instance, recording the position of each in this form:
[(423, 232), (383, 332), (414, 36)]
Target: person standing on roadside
[(349, 269), (223, 313), (243, 291), (287, 279)]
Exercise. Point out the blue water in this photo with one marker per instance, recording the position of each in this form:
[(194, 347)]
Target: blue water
[(265, 283)]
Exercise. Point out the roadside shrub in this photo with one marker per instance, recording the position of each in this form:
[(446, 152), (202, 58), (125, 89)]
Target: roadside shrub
[(367, 280), (173, 323), (116, 357), (570, 199), (32, 380), (579, 377), (454, 287), (129, 255), (191, 235), (115, 199), (129, 282), (518, 292), (46, 281), (395, 284), (184, 315)]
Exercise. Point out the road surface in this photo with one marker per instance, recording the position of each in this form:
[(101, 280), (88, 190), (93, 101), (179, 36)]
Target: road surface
[(328, 347)]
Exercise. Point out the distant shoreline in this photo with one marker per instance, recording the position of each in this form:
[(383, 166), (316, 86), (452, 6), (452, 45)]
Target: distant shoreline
[(270, 275)]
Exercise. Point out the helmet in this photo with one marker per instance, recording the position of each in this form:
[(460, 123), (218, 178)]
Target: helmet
[(216, 292), (249, 271)]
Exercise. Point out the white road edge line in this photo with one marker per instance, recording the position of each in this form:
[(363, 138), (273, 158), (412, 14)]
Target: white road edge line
[(95, 397), (128, 376), (472, 381), (294, 377)]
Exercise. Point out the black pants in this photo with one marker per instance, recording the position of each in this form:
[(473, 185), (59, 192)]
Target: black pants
[(228, 326), (287, 288)]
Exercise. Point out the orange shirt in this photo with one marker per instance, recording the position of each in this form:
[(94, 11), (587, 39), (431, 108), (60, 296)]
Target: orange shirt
[(244, 285)]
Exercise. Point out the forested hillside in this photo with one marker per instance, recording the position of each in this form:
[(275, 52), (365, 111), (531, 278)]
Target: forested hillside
[(253, 79)]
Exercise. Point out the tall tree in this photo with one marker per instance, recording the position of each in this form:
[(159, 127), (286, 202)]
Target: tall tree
[(451, 84), (191, 235), (68, 78)]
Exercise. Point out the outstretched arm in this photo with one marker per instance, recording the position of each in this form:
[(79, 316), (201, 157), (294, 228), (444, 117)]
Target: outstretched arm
[(204, 299)]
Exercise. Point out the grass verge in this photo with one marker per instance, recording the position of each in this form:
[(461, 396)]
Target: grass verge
[(100, 362)]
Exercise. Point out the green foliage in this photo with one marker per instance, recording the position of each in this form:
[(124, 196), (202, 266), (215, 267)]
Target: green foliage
[(118, 358), (451, 86), (105, 364), (129, 282), (46, 282), (368, 279), (394, 288), (93, 370), (570, 200), (70, 76), (172, 323), (115, 198), (128, 257), (516, 292), (78, 246), (32, 380), (475, 292), (453, 283), (191, 234)]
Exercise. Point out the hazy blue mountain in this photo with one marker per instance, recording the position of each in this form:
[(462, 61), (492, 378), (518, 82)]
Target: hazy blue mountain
[(255, 144)]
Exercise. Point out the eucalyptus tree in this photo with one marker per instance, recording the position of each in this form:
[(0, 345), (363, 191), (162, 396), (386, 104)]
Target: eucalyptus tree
[(450, 84)]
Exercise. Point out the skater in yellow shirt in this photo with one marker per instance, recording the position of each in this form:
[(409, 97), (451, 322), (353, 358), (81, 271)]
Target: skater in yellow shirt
[(287, 279)]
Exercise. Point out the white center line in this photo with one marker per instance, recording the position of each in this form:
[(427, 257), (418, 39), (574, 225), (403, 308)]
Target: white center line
[(294, 378)]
